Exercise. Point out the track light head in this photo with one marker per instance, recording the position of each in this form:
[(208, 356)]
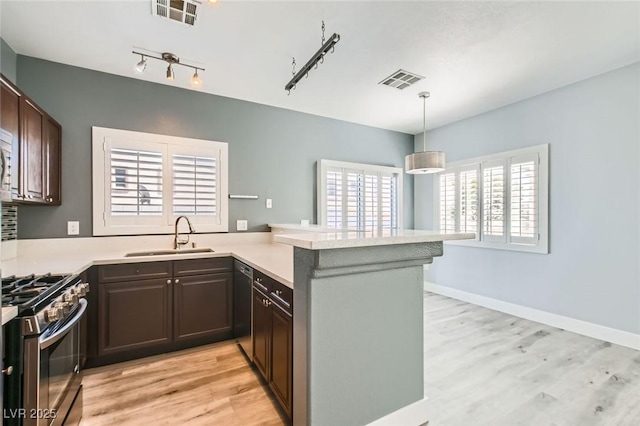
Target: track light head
[(170, 74), (196, 82), (142, 65)]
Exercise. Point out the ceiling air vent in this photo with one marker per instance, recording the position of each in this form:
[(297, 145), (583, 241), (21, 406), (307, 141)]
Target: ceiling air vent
[(178, 10), (401, 79)]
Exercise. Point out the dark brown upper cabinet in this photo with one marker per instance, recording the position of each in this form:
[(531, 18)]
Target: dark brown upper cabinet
[(36, 148)]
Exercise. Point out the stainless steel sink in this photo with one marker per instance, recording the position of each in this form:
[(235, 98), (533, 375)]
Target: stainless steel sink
[(166, 252)]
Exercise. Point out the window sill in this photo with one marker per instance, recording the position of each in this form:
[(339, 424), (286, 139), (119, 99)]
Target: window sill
[(540, 248)]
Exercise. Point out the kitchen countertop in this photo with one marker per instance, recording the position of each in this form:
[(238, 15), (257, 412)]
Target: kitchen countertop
[(337, 240), (8, 314), (275, 260)]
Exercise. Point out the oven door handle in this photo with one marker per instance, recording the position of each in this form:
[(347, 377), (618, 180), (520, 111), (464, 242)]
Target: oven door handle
[(45, 343)]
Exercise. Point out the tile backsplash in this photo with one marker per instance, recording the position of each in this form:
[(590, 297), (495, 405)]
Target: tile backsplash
[(9, 222)]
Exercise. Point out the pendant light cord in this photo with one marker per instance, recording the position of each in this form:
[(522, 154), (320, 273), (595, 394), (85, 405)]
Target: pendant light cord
[(424, 123)]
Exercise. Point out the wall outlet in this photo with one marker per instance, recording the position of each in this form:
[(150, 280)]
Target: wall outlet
[(269, 203), (304, 222), (73, 227), (241, 225)]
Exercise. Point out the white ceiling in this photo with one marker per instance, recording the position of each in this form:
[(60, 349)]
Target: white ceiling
[(476, 56)]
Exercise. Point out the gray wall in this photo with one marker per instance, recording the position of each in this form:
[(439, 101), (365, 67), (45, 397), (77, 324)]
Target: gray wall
[(8, 61), (272, 151), (592, 272)]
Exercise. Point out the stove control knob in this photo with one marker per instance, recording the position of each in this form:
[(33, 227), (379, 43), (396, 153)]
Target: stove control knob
[(63, 308), (51, 314), (82, 289), (70, 298)]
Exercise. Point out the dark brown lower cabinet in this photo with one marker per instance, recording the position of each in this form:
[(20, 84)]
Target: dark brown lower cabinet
[(261, 333), (273, 346), (281, 381), (133, 315), (155, 307), (201, 306)]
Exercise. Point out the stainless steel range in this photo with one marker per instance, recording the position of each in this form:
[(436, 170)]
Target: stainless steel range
[(43, 383)]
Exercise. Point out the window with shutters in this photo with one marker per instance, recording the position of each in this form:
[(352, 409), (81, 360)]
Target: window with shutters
[(502, 198), (359, 197), (142, 182)]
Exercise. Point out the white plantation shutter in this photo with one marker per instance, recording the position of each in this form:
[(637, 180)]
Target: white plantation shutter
[(494, 200), (352, 199), (371, 203), (194, 185), (502, 198), (354, 216), (447, 202), (334, 199), (389, 201), (142, 182), (523, 218), (469, 211), (136, 182)]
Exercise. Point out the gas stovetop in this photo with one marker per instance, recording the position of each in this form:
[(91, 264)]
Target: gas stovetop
[(28, 292), (43, 301)]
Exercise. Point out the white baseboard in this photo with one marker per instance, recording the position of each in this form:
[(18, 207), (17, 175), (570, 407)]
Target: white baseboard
[(619, 337), (412, 415)]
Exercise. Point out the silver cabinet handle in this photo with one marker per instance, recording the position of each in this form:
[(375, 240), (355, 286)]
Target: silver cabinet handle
[(177, 281), (168, 281), (8, 371)]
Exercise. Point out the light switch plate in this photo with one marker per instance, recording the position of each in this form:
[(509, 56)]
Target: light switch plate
[(269, 203), (73, 227), (241, 225)]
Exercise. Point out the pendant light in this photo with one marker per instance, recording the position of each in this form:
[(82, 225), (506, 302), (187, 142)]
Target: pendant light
[(424, 162)]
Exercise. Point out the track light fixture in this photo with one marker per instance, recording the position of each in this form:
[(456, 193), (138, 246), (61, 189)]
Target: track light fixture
[(171, 59)]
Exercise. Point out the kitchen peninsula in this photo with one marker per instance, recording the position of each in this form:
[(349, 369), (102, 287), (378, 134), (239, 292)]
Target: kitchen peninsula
[(357, 306), (358, 323)]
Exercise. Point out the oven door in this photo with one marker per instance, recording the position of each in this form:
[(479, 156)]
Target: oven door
[(51, 389)]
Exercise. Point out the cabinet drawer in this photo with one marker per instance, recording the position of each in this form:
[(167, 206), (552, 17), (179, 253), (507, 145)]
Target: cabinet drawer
[(262, 282), (202, 266), (282, 296), (134, 271)]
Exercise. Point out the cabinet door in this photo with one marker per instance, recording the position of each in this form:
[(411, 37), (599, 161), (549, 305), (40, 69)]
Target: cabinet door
[(10, 120), (203, 306), (133, 315), (261, 332), (53, 146), (32, 153), (281, 374)]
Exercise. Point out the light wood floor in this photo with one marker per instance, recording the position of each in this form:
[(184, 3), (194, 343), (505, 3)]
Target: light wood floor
[(482, 367), (209, 385)]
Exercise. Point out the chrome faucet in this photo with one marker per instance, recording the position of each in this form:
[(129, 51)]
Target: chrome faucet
[(177, 242)]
